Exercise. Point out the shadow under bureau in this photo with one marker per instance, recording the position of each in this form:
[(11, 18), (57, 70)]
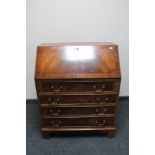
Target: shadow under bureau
[(77, 87)]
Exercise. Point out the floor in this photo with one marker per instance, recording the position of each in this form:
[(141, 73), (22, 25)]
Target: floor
[(77, 144)]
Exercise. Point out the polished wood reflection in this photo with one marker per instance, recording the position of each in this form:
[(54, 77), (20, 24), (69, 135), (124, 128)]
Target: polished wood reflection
[(75, 61), (77, 87)]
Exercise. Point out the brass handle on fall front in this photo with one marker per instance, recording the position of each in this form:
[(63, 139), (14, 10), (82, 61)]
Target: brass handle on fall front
[(55, 113), (100, 122), (56, 90), (98, 90), (56, 123)]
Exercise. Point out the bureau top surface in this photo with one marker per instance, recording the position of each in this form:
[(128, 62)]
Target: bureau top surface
[(77, 60)]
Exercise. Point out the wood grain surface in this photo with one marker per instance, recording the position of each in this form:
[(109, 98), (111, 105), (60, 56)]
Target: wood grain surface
[(58, 61)]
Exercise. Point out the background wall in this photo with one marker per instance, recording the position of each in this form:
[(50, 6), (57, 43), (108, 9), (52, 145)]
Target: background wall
[(77, 21)]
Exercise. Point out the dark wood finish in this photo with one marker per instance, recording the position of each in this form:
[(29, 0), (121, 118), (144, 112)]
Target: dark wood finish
[(78, 86), (77, 61), (74, 122), (109, 130), (60, 111), (111, 134), (46, 134), (57, 99)]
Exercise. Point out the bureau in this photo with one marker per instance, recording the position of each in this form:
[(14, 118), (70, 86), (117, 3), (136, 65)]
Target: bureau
[(77, 87)]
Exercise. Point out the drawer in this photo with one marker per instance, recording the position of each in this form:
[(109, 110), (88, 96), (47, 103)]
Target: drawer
[(76, 86), (85, 122), (87, 110), (77, 99)]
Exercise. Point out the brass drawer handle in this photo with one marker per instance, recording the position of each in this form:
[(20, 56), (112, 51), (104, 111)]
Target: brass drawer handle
[(99, 90), (99, 111), (56, 90), (101, 122), (56, 123), (50, 101), (57, 113), (102, 101), (106, 98)]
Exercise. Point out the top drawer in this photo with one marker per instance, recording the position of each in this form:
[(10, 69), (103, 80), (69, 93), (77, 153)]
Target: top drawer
[(76, 86)]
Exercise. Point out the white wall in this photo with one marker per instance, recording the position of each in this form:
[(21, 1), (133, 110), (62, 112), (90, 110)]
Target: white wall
[(77, 21)]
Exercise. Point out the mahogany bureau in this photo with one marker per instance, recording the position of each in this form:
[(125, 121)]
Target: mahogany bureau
[(77, 87)]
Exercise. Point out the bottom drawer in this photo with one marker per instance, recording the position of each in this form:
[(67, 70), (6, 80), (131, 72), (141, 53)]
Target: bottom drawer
[(85, 122)]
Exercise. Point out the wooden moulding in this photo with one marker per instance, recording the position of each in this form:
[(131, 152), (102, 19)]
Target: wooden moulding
[(110, 131)]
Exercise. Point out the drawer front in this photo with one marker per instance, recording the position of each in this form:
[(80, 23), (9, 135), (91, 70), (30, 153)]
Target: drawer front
[(76, 99), (62, 122), (52, 86), (58, 111)]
